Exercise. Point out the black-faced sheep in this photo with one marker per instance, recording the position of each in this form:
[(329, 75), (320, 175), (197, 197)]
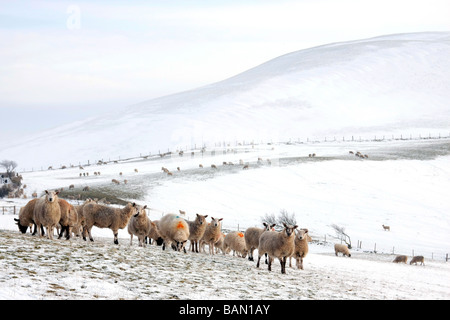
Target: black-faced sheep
[(139, 225), (47, 212), (235, 241), (342, 248), (400, 258), (174, 229), (277, 245), (103, 216), (212, 234), (417, 259), (301, 247), (252, 236), (196, 230), (26, 217)]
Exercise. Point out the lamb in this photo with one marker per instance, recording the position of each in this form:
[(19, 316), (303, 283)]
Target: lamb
[(47, 213), (235, 241), (103, 216), (301, 247), (277, 245), (196, 230), (69, 218), (26, 217), (212, 234), (342, 248), (139, 225), (174, 229), (400, 258), (417, 259), (252, 235)]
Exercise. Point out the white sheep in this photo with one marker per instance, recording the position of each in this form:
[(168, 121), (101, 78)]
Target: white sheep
[(342, 248), (277, 245), (196, 230), (174, 229), (47, 213), (252, 236), (301, 247), (139, 225), (103, 216), (235, 241), (212, 234)]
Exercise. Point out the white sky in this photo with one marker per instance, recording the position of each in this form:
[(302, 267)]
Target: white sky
[(62, 61)]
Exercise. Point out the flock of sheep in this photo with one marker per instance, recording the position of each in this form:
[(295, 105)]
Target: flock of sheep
[(172, 230)]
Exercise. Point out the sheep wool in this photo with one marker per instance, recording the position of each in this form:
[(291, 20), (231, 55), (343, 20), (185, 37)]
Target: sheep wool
[(47, 213), (26, 217)]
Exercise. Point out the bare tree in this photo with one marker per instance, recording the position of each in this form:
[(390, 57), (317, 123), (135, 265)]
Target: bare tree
[(285, 217), (9, 165), (340, 232), (269, 219)]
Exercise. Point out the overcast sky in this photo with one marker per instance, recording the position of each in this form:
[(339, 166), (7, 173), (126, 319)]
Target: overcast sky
[(62, 61)]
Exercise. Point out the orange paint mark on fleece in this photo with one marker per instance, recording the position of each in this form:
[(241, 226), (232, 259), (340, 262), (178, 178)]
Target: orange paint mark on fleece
[(240, 234), (180, 225)]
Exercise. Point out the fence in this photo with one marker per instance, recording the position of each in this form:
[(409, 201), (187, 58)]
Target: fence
[(196, 149), (9, 210)]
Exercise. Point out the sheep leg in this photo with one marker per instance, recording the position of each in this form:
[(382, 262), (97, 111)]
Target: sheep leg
[(116, 240), (250, 255), (259, 258), (270, 264), (283, 264), (131, 239)]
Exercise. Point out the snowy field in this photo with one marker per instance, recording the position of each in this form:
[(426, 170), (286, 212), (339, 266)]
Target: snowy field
[(403, 184)]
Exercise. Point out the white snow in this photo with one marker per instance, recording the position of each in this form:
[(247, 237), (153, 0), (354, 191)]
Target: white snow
[(391, 86)]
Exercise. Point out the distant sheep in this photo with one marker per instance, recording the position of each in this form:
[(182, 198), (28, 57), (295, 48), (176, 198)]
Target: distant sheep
[(200, 165), (418, 259), (341, 248), (103, 216), (196, 230), (115, 181), (26, 217), (213, 166), (47, 213), (235, 241), (277, 245), (135, 170), (400, 258), (139, 225), (252, 235), (301, 247), (212, 234), (174, 230), (386, 228)]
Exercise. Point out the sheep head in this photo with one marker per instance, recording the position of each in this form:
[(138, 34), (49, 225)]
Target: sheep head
[(302, 234), (51, 196), (201, 219), (215, 222), (140, 210), (22, 228), (289, 230)]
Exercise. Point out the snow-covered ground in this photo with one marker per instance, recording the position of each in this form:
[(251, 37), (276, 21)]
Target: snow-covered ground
[(402, 184)]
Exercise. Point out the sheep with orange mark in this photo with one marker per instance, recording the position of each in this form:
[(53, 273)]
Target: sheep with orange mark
[(174, 230), (235, 241)]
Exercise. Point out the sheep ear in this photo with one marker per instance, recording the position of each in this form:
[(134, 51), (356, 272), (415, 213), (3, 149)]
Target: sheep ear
[(295, 227), (306, 230), (265, 224), (46, 191), (57, 192), (206, 216), (145, 207), (284, 224), (220, 219), (273, 225), (134, 204)]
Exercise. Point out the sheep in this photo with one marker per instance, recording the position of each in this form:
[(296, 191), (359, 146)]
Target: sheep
[(139, 225), (212, 234), (400, 258), (174, 229), (69, 218), (86, 188), (219, 245), (342, 248), (103, 216), (135, 170), (277, 245), (386, 227), (47, 212), (154, 233), (235, 241), (200, 165), (78, 227), (213, 166), (301, 247), (26, 217), (417, 259), (252, 235), (115, 181), (196, 230)]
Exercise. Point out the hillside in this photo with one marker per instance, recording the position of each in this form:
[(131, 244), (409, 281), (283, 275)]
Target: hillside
[(384, 85)]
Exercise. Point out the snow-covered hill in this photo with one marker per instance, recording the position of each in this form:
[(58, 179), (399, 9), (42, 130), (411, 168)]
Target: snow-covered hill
[(384, 85)]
